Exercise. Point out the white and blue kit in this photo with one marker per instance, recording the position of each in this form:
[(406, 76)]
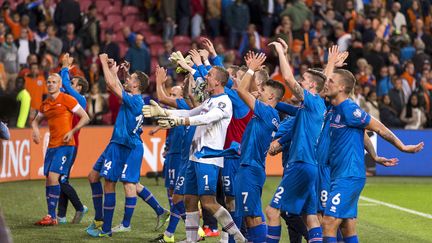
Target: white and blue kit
[(346, 159), (296, 194), (211, 118), (122, 158), (251, 175)]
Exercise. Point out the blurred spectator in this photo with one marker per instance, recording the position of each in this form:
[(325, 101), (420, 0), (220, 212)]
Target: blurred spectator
[(32, 10), (412, 114), (420, 57), (251, 40), (3, 80), (52, 45), (375, 57), (93, 57), (90, 31), (237, 18), (25, 69), (213, 17), (67, 11), (17, 24), (372, 105), (95, 77), (72, 43), (111, 48), (168, 16), (384, 82), (421, 34), (197, 14), (163, 58), (9, 58), (399, 19), (25, 47), (35, 84), (2, 32), (23, 98), (48, 10), (388, 114), (183, 15), (397, 96), (408, 80), (114, 106), (267, 16), (343, 38), (414, 12), (138, 56), (298, 12), (358, 96), (41, 34), (96, 105)]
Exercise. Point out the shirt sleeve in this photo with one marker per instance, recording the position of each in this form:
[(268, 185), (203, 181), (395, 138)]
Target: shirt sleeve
[(216, 61), (287, 108), (71, 103), (355, 116), (265, 113), (309, 100), (202, 70), (222, 110), (64, 73)]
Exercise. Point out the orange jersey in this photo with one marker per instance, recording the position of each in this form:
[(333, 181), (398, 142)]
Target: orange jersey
[(59, 114), (37, 88)]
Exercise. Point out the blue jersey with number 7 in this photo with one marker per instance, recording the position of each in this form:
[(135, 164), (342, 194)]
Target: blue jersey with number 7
[(127, 128)]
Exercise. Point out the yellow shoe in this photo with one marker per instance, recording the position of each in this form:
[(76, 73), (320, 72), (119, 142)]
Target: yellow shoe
[(201, 232)]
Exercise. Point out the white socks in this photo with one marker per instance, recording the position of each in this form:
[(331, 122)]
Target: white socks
[(224, 218), (192, 225)]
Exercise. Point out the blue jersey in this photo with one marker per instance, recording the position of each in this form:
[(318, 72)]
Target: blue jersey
[(240, 109), (127, 127), (174, 135), (324, 139), (188, 133), (258, 135), (346, 153), (285, 133), (307, 128)]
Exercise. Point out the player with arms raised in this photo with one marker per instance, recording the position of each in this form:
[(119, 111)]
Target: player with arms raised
[(346, 156)]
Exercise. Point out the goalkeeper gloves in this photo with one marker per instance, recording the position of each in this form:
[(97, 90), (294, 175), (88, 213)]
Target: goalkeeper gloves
[(154, 110), (170, 122)]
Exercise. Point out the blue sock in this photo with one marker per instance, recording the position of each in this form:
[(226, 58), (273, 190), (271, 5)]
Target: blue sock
[(174, 218), (148, 197), (258, 233), (315, 234), (108, 211), (329, 239), (238, 220), (97, 195), (170, 202), (351, 239), (130, 203), (339, 236), (52, 199), (273, 234)]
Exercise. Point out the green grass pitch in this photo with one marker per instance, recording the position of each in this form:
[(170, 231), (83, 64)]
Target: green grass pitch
[(23, 203)]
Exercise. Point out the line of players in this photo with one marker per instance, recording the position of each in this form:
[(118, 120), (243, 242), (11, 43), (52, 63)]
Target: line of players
[(236, 112)]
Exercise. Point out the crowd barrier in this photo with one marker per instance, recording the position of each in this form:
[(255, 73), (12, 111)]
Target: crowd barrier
[(21, 159)]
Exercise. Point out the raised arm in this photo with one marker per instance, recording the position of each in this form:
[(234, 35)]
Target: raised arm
[(371, 150), (161, 77), (287, 74), (335, 59), (213, 115), (388, 135), (254, 62), (110, 81), (67, 62)]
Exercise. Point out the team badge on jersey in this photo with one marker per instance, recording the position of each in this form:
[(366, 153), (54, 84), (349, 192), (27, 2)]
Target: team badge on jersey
[(357, 113), (221, 105), (337, 120)]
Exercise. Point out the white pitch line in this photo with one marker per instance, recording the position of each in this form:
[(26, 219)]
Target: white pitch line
[(425, 215), (368, 204)]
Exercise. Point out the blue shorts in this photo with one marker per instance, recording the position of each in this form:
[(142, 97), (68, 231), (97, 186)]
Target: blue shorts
[(132, 168), (179, 186), (59, 160), (112, 163), (343, 197), (65, 178), (201, 179), (296, 194), (229, 172), (249, 184), (323, 186), (172, 168)]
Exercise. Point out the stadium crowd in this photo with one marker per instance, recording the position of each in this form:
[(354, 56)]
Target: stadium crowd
[(389, 42)]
